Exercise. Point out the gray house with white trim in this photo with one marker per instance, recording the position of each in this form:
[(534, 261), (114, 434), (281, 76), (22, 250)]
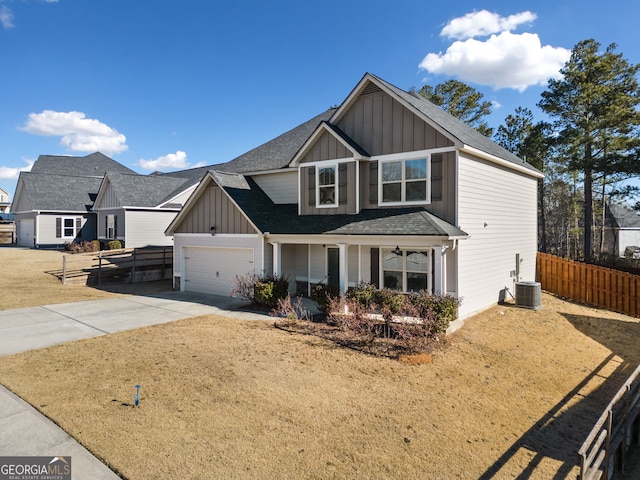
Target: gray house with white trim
[(387, 188), (53, 202)]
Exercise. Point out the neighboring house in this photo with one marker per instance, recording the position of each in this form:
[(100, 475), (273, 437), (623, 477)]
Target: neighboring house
[(624, 225), (53, 201), (137, 209), (388, 189), (5, 204)]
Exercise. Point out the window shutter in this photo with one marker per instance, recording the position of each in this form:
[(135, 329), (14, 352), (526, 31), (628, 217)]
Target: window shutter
[(436, 177), (58, 227), (115, 226), (375, 267), (373, 183), (342, 184), (106, 226), (78, 226), (312, 186)]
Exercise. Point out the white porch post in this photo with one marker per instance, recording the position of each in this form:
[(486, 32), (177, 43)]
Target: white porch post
[(440, 270), (344, 267), (277, 258)]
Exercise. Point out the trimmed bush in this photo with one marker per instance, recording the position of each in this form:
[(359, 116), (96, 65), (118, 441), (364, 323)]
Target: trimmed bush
[(114, 245), (82, 247), (440, 310), (364, 293)]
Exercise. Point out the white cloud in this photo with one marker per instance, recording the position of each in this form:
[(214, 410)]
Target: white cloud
[(171, 161), (78, 133), (12, 173), (6, 16), (504, 60), (484, 23)]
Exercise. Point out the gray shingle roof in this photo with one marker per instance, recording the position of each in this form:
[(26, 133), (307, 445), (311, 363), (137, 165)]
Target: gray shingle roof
[(95, 164), (146, 191), (60, 192), (455, 127), (284, 219), (278, 152), (623, 216)]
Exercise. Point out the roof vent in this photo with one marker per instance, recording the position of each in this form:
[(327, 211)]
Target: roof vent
[(528, 295), (371, 89)]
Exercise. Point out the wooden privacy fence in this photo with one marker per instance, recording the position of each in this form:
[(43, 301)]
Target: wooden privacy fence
[(605, 450), (591, 284), (125, 265)]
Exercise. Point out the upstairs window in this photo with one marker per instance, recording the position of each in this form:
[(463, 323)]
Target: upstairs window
[(404, 182), (327, 186)]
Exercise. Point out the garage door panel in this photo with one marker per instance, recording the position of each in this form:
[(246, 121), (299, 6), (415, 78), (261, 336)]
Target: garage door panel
[(213, 270)]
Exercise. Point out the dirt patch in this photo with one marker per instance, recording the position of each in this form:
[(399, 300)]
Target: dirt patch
[(512, 394)]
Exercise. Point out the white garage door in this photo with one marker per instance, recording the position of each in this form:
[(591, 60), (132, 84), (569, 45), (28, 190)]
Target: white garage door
[(24, 229), (213, 270)]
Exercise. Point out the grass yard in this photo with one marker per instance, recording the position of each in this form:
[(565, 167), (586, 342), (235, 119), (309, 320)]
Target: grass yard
[(511, 395)]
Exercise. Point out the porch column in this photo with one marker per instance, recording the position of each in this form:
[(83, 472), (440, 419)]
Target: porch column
[(277, 258), (440, 270), (344, 267)]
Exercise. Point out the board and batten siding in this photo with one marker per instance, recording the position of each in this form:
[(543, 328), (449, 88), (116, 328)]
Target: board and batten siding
[(326, 147), (281, 188), (498, 209), (146, 228), (346, 191), (109, 198), (215, 208), (381, 125)]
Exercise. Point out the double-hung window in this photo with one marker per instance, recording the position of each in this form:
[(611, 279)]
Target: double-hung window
[(327, 186), (68, 227), (404, 181), (407, 270), (111, 226)]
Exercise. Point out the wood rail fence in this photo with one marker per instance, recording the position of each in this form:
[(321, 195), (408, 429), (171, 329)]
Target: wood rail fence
[(7, 233), (590, 284), (124, 265), (617, 430)]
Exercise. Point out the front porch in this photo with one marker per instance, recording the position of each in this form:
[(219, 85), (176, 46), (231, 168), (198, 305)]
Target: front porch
[(405, 264)]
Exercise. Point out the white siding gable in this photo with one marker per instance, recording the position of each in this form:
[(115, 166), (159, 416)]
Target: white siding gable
[(281, 187)]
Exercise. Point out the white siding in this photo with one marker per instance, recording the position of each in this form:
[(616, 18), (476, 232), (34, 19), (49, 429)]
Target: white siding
[(46, 229), (497, 208), (145, 228), (280, 187), (628, 238), (184, 196)]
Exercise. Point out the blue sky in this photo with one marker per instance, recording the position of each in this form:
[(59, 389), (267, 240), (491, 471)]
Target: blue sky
[(166, 85)]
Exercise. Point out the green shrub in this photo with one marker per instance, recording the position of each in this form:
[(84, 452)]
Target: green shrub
[(390, 303), (261, 290), (436, 310), (322, 294), (114, 245), (269, 289), (364, 293)]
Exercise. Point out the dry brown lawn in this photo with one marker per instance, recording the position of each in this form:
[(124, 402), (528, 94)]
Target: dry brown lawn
[(511, 395)]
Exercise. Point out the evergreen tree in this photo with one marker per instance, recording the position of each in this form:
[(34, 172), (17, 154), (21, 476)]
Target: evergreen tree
[(595, 118), (461, 101)]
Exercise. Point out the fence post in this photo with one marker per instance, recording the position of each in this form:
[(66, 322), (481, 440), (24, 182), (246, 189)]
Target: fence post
[(99, 267), (133, 267), (64, 270)]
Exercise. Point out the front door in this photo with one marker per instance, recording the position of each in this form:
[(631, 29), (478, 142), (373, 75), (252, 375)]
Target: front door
[(333, 267)]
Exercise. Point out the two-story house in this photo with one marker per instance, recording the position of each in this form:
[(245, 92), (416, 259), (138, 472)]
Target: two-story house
[(387, 188)]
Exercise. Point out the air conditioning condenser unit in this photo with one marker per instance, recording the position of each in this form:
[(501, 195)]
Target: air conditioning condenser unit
[(529, 295)]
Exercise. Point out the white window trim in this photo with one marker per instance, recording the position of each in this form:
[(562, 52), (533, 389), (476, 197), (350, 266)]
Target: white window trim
[(336, 185), (113, 228), (429, 271), (62, 227), (403, 181)]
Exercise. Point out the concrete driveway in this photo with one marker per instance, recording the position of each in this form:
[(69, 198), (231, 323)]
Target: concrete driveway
[(26, 329), (26, 432)]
